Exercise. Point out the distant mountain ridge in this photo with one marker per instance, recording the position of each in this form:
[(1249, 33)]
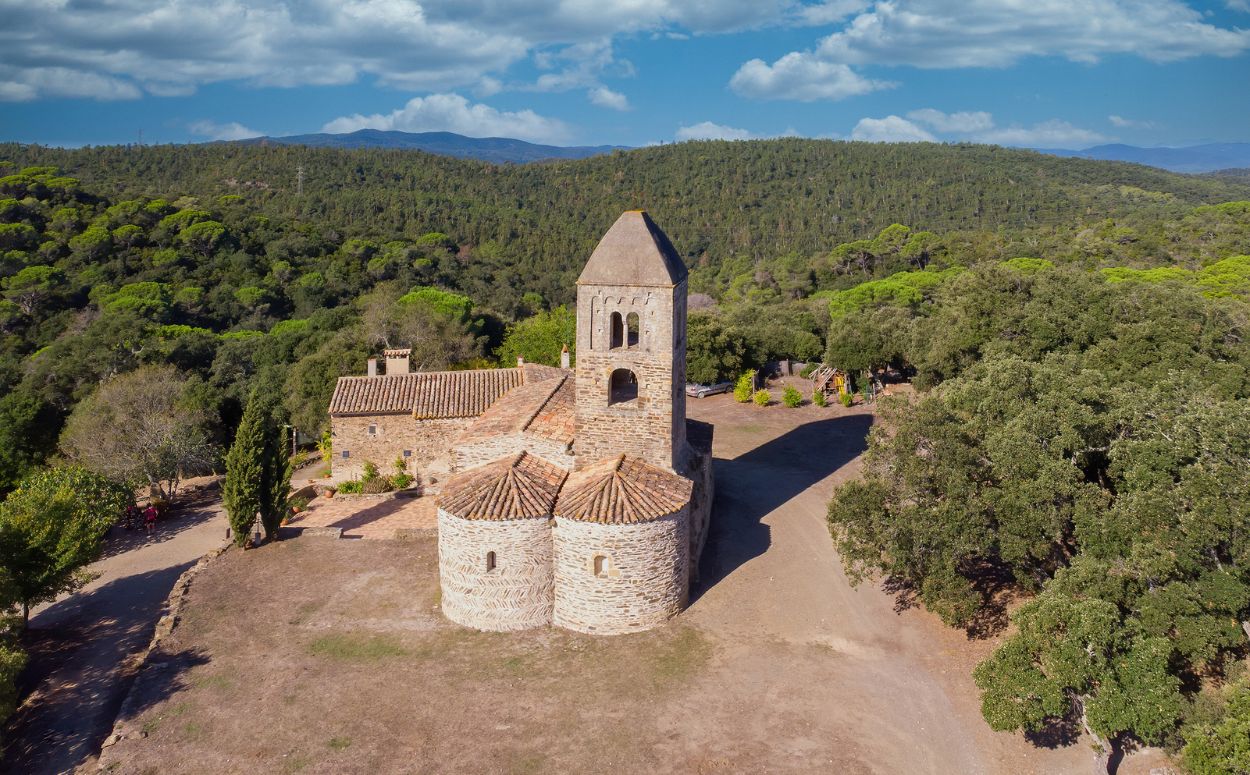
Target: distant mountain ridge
[(1195, 158), (491, 149)]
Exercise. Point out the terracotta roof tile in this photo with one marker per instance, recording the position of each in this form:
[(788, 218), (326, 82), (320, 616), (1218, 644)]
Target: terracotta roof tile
[(428, 395), (556, 419), (542, 408), (622, 490), (386, 394), (462, 393), (520, 486)]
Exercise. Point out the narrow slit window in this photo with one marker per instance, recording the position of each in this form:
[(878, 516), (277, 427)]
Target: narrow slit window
[(490, 561)]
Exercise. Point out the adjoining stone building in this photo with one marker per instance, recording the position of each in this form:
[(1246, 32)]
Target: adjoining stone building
[(577, 497)]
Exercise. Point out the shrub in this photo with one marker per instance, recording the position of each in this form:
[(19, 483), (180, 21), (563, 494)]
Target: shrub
[(762, 398), (400, 481), (326, 447), (808, 369), (370, 472), (376, 485), (350, 487), (745, 387), (791, 397), (298, 460), (847, 399), (400, 466), (818, 398)]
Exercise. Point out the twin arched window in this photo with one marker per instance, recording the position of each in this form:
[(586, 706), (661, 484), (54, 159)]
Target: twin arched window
[(624, 331)]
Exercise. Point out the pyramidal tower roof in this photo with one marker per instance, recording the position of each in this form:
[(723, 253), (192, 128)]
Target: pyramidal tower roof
[(634, 252)]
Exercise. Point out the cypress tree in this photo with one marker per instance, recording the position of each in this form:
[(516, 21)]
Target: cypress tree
[(258, 471), (242, 491)]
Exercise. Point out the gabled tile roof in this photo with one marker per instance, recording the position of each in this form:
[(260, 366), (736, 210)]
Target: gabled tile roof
[(544, 409), (520, 486), (622, 490), (427, 395), (462, 393), (385, 394)]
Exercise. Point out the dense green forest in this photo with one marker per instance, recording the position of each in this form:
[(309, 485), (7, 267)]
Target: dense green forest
[(1078, 330)]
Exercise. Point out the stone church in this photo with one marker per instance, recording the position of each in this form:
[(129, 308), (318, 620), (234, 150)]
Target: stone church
[(578, 497)]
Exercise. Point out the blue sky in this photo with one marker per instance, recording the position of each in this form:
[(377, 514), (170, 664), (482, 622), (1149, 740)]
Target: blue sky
[(1038, 73)]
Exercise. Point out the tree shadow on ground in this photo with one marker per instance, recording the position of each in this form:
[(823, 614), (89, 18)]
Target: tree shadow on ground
[(1057, 733), (756, 483), (76, 678), (372, 513), (192, 508)]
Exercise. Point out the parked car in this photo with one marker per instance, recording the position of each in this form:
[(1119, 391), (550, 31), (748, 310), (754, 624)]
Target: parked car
[(703, 391)]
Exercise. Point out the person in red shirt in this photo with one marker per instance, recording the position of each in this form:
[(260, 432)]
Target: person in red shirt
[(149, 518)]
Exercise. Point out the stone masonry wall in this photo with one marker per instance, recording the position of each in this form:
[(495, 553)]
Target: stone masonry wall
[(652, 426), (645, 580), (429, 441), (700, 472), (476, 453), (517, 593)]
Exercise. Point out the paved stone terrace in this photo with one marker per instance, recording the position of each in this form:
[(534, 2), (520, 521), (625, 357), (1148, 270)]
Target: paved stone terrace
[(369, 516)]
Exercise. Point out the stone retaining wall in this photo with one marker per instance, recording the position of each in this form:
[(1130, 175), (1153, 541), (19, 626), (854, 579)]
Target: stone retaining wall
[(514, 595), (643, 578)]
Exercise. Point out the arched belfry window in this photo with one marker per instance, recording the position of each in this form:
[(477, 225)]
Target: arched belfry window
[(623, 387), (602, 566), (617, 332), (632, 331)]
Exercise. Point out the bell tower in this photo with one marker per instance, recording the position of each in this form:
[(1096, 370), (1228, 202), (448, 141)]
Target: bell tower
[(631, 347)]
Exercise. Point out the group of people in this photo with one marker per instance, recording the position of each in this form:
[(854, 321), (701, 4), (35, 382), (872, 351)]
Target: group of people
[(134, 514)]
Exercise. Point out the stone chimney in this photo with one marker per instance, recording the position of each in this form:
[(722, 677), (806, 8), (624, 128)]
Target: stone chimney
[(373, 367), (397, 360), (564, 357)]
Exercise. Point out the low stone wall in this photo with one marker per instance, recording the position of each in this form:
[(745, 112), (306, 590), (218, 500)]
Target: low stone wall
[(641, 580), (513, 595), (429, 441), (476, 453)]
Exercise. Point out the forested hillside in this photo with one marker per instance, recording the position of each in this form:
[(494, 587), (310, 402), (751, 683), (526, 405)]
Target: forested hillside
[(1080, 331), (529, 228)]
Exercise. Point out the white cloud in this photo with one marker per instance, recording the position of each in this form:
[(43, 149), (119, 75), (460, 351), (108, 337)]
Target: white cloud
[(1238, 5), (800, 76), (891, 129), (1048, 134), (214, 131), (454, 113), (706, 130), (997, 33), (606, 98), (1129, 123), (830, 11), (118, 49), (975, 126), (946, 34), (953, 122)]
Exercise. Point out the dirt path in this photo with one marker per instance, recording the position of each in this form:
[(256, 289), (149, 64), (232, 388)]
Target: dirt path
[(79, 643), (871, 689)]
